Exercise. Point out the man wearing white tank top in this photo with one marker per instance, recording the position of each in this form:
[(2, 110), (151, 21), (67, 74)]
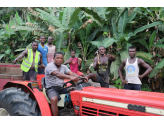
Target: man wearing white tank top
[(132, 80)]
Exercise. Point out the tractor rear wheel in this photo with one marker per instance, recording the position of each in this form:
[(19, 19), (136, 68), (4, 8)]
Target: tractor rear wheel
[(15, 102)]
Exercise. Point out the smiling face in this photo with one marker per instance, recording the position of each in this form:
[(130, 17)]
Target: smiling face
[(42, 39), (132, 52), (102, 50), (58, 59)]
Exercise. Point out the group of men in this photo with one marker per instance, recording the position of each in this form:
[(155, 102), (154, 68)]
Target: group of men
[(50, 63)]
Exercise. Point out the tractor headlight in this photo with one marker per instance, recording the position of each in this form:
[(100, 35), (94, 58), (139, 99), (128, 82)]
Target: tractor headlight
[(76, 107), (33, 85)]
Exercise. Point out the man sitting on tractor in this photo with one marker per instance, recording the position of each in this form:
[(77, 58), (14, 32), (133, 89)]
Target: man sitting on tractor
[(74, 64), (55, 72)]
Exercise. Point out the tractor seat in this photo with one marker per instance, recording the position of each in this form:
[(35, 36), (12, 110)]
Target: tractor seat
[(60, 102), (44, 89)]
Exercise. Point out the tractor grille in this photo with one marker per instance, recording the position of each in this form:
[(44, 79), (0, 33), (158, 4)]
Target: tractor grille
[(87, 111)]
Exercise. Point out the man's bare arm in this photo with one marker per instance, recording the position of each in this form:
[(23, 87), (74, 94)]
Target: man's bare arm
[(120, 72), (64, 76), (24, 53), (41, 61), (112, 58), (95, 63), (145, 65), (67, 62)]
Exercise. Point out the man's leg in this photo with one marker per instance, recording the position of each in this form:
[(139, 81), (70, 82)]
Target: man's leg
[(96, 78), (54, 107), (33, 75), (137, 87), (53, 96), (26, 76), (92, 76), (128, 86)]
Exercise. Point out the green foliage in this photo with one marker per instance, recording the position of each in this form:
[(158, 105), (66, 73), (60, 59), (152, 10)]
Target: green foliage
[(118, 84), (145, 87)]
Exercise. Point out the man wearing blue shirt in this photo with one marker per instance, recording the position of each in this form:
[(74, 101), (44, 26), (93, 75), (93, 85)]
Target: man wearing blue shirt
[(43, 49)]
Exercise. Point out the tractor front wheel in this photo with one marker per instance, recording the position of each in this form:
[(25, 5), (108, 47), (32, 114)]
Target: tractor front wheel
[(15, 102)]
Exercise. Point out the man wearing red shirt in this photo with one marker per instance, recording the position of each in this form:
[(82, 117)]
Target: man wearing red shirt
[(74, 64)]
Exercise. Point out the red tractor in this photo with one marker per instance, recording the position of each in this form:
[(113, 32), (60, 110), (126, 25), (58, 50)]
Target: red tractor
[(25, 98)]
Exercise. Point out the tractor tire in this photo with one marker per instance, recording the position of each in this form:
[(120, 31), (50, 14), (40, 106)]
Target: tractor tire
[(15, 102)]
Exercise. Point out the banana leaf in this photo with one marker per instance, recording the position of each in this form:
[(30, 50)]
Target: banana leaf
[(67, 15), (159, 45), (126, 46), (1, 56), (92, 14), (147, 26), (114, 66), (158, 67), (59, 42), (115, 34), (122, 22), (106, 42), (144, 54), (101, 11), (131, 17), (124, 55), (49, 18), (146, 60), (155, 8), (92, 36), (151, 40), (74, 17), (18, 19)]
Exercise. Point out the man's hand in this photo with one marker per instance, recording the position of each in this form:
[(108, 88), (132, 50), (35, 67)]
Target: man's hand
[(42, 65), (86, 80), (108, 55), (140, 77), (14, 61), (39, 66), (98, 62), (74, 78), (124, 82), (69, 61), (112, 58)]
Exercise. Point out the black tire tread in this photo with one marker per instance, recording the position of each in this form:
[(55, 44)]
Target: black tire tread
[(18, 103)]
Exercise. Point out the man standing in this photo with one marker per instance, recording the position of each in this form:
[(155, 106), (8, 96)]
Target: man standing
[(133, 79), (102, 65), (74, 63), (43, 49), (55, 72), (51, 50), (30, 62)]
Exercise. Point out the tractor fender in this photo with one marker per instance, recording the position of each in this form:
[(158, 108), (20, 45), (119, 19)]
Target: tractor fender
[(35, 94)]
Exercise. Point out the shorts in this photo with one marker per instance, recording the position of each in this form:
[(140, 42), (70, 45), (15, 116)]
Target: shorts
[(133, 86), (30, 75), (55, 91), (101, 81)]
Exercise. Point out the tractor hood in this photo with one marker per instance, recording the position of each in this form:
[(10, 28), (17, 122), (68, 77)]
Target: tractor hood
[(131, 101)]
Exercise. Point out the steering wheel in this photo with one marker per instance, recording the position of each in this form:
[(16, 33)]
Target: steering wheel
[(81, 80)]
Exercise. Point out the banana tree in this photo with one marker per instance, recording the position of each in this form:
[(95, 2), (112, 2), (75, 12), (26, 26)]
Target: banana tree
[(124, 36)]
